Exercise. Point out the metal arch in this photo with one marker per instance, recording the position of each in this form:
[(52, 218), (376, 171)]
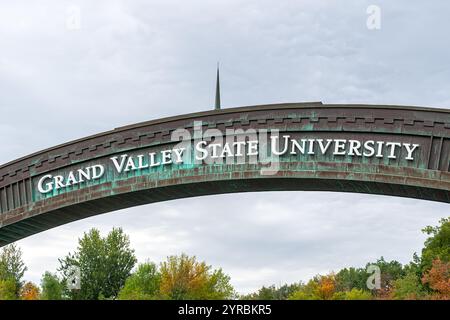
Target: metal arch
[(23, 212)]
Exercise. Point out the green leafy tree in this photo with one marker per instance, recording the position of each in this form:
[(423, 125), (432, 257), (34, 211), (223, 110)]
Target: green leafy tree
[(184, 278), (357, 294), (307, 291), (104, 264), (283, 292), (273, 292), (437, 245), (218, 286), (413, 266), (8, 289), (52, 287), (407, 287), (390, 271), (349, 278), (142, 284), (120, 260), (12, 266)]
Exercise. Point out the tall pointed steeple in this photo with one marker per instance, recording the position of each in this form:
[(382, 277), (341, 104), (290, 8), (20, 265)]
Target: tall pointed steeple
[(217, 105)]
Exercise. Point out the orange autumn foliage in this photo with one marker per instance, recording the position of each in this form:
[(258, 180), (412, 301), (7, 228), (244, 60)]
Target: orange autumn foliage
[(29, 292), (438, 278), (326, 287)]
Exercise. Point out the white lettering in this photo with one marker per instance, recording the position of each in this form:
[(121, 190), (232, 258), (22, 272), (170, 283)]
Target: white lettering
[(410, 150), (48, 185), (339, 147), (119, 166)]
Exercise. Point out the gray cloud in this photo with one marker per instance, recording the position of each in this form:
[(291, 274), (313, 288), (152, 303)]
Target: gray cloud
[(135, 61)]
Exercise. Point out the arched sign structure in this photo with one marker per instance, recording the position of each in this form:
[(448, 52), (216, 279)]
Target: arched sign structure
[(377, 149)]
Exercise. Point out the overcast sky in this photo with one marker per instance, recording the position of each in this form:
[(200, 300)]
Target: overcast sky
[(69, 69)]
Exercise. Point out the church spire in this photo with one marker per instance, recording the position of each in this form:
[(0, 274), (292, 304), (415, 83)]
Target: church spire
[(217, 105)]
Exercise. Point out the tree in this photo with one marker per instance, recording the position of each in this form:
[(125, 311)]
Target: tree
[(390, 271), (104, 264), (143, 284), (307, 291), (52, 287), (407, 287), (12, 265), (438, 278), (437, 246), (283, 292), (218, 286), (318, 288), (183, 278), (357, 294), (8, 289), (29, 292), (273, 292), (326, 287), (120, 260), (349, 278)]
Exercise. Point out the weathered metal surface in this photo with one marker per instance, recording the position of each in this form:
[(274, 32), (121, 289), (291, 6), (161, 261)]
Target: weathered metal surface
[(23, 211)]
